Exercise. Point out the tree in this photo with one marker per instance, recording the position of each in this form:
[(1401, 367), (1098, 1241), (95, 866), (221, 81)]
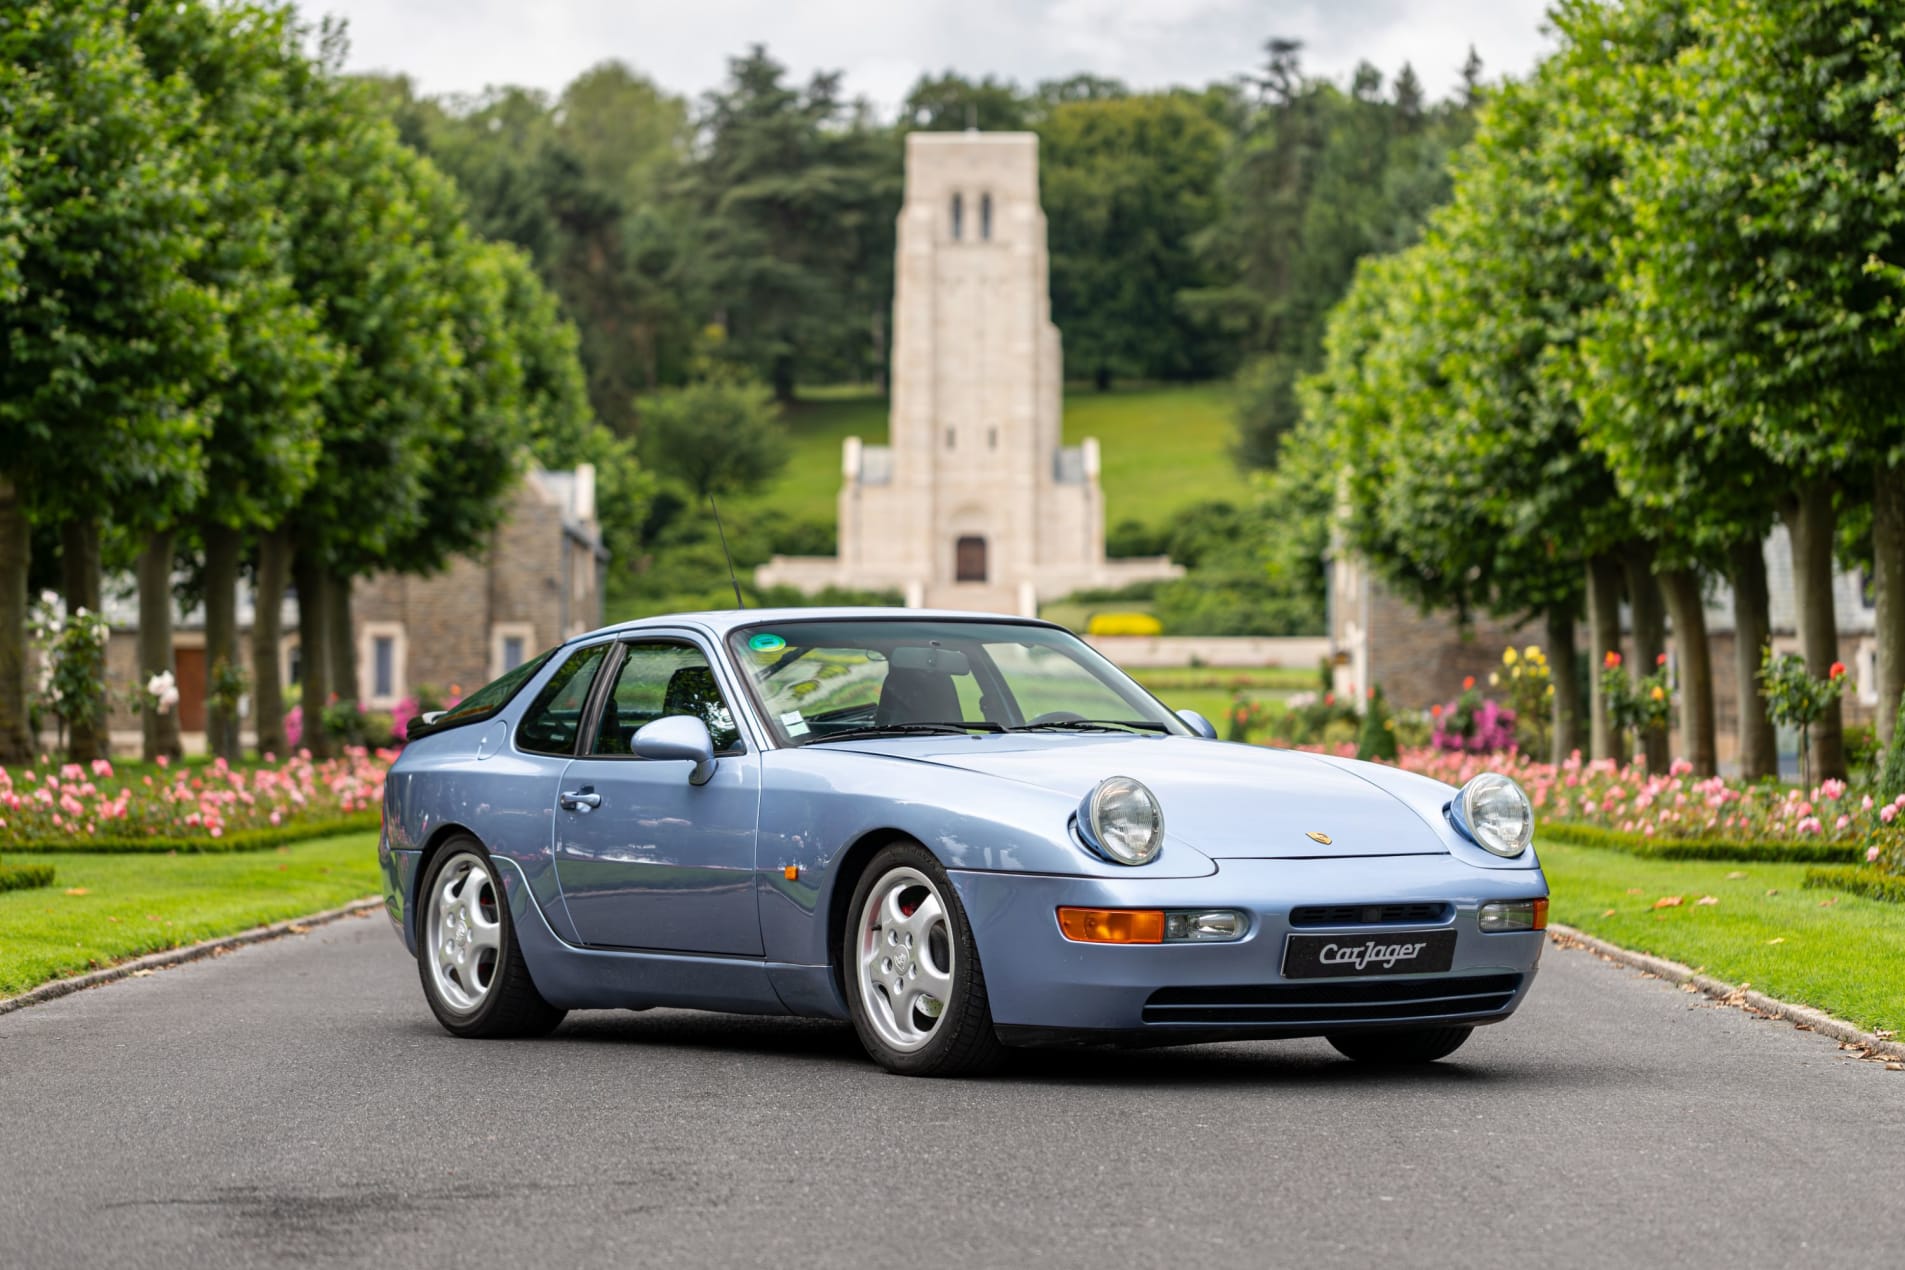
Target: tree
[(1768, 275), (715, 438), (250, 74), (951, 102), (1127, 182), (109, 207)]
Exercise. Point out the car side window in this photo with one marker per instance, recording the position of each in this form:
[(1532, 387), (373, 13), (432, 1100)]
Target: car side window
[(554, 718), (658, 679)]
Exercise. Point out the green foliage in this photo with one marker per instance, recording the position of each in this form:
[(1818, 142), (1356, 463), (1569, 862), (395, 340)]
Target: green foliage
[(1891, 782), (1377, 742), (72, 662), (718, 437), (25, 877), (1797, 698), (237, 841), (1781, 852), (1873, 884)]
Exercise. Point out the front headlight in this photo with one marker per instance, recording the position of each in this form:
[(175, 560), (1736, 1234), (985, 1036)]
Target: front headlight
[(1121, 819), (1494, 813)]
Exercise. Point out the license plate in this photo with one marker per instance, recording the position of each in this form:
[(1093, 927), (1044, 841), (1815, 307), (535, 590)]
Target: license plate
[(1411, 952)]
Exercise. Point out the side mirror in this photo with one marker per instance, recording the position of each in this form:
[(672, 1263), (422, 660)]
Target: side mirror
[(679, 736), (1198, 724)]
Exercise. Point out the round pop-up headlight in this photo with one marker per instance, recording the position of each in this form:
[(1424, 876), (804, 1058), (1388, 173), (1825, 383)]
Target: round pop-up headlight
[(1494, 812), (1122, 819)]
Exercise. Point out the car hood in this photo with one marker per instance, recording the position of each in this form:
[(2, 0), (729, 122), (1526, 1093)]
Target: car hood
[(1228, 801)]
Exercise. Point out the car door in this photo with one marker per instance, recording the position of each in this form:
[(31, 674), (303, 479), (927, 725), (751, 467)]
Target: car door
[(645, 858)]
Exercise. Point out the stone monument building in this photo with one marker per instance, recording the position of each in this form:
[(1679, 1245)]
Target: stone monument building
[(975, 502)]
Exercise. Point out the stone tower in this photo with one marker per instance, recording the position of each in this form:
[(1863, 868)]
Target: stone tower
[(975, 502)]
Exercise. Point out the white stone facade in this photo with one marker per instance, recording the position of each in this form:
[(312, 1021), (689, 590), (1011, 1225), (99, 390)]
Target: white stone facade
[(975, 503)]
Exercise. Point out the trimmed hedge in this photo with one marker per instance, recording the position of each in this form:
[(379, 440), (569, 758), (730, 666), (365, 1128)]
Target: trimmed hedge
[(241, 840), (1658, 848), (1874, 884), (24, 877)]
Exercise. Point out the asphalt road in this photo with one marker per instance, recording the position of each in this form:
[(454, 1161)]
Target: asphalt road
[(294, 1103)]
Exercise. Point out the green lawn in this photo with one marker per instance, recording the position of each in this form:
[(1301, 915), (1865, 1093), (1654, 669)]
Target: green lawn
[(1164, 447), (1837, 952), (103, 909)]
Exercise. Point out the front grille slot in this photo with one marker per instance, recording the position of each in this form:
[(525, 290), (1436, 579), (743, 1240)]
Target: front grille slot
[(1311, 1004), (1370, 914)]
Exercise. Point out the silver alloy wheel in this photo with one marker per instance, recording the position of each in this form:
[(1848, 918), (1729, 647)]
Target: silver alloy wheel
[(906, 958), (465, 926)]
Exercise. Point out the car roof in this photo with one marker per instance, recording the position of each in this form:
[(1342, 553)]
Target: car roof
[(718, 622)]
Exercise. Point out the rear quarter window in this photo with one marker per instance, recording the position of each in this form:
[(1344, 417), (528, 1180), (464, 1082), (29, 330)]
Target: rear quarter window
[(484, 702)]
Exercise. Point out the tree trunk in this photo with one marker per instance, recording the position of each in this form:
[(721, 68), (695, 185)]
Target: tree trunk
[(314, 659), (267, 639), (1605, 740), (1562, 674), (160, 729), (1650, 640), (1888, 583), (1812, 522), (86, 739), (1686, 602), (16, 542), (222, 547), (1752, 633), (342, 638)]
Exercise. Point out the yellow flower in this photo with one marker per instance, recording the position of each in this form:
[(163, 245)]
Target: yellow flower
[(1508, 656), (1532, 652), (1659, 693), (1494, 680), (1550, 690)]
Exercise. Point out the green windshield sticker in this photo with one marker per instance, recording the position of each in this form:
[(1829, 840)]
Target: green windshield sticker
[(765, 643)]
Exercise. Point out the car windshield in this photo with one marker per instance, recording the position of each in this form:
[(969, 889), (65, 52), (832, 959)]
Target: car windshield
[(841, 679)]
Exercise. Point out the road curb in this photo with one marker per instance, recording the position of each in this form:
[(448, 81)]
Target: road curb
[(1801, 1016), (179, 956)]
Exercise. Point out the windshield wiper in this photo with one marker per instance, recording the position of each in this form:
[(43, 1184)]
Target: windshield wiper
[(1092, 725), (903, 729)]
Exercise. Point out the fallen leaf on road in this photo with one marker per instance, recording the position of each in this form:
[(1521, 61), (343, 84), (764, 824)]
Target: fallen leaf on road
[(1608, 913), (1707, 899), (1895, 1067), (140, 974), (1884, 1033), (1734, 876), (77, 890), (1667, 901), (296, 929)]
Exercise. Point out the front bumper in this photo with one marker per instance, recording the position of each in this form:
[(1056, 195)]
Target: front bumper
[(1044, 988)]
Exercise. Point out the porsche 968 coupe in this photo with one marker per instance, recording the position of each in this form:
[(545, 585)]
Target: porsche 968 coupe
[(963, 832)]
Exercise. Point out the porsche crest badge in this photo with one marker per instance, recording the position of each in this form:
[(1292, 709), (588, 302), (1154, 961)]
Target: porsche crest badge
[(1314, 836)]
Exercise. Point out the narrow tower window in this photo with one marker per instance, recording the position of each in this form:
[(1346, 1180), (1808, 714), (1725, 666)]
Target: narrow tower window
[(985, 217), (958, 217)]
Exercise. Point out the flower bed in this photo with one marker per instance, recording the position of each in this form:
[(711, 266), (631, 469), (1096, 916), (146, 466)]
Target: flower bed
[(69, 804)]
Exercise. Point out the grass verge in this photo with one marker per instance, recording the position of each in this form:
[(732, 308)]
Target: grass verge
[(1840, 953), (1874, 884), (112, 907), (1665, 848)]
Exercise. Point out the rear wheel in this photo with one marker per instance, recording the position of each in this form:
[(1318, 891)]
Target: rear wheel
[(914, 985), (473, 971), (1402, 1046)]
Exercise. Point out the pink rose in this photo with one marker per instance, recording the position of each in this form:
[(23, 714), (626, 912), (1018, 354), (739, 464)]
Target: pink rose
[(1871, 854)]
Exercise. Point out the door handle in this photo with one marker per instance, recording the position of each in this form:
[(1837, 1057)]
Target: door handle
[(584, 799)]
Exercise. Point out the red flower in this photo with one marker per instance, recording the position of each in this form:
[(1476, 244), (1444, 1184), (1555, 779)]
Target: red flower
[(1612, 661), (1837, 671), (1468, 683), (1329, 698), (1660, 659), (1436, 711)]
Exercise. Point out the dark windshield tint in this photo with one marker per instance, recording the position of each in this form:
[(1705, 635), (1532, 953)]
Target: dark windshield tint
[(482, 703)]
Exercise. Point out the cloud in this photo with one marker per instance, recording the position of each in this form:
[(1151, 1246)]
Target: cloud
[(882, 47)]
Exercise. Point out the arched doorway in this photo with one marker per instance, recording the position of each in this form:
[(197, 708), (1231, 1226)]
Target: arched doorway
[(969, 559)]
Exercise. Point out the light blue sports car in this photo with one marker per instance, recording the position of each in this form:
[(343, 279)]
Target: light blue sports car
[(961, 831)]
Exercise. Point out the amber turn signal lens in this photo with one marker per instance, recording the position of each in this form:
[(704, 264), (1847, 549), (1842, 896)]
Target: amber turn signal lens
[(1112, 925), (1541, 913)]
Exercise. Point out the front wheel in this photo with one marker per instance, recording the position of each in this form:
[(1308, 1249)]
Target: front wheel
[(472, 967), (1401, 1047), (914, 985)]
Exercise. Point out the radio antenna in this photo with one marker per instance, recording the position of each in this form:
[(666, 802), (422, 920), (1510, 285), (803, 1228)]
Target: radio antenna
[(739, 603)]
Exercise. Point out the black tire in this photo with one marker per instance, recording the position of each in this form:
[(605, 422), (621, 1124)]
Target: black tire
[(509, 1005), (962, 1041), (1400, 1047)]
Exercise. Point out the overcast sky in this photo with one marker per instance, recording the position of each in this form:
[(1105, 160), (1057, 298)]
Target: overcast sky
[(450, 46)]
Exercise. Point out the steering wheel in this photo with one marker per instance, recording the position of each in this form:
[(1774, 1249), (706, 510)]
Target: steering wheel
[(1056, 716)]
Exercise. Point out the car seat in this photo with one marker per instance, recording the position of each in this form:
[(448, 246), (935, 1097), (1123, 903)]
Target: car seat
[(917, 696)]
